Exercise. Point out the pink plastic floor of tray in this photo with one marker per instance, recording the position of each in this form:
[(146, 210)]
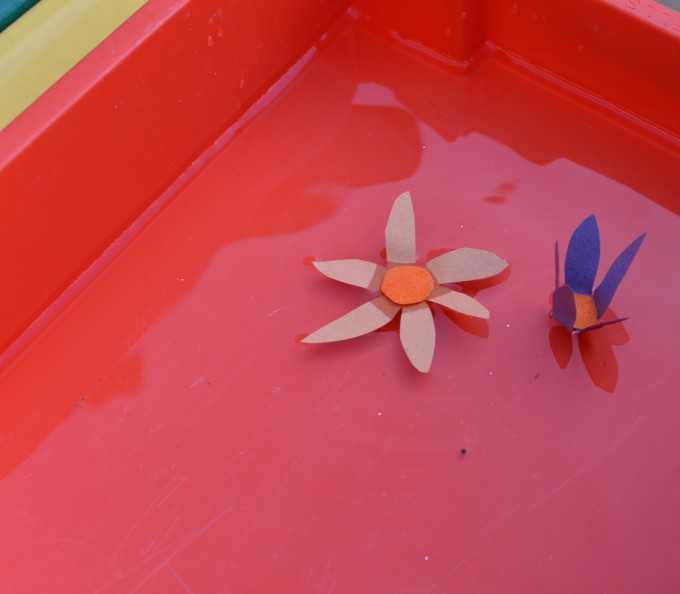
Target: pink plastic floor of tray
[(167, 433)]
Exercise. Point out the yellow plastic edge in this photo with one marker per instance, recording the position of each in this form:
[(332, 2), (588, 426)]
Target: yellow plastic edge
[(47, 41)]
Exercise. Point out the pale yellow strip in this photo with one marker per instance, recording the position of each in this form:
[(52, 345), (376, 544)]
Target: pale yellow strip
[(47, 41)]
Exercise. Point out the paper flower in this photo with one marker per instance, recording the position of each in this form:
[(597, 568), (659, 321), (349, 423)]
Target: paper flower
[(575, 305), (407, 287)]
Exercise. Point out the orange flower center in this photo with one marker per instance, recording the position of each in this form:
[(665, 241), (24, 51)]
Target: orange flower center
[(406, 285), (586, 312)]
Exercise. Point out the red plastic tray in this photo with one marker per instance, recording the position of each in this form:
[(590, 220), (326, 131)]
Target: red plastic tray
[(161, 429)]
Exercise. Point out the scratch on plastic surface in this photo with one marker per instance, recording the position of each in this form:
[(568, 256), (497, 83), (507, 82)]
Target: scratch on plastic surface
[(287, 305), (667, 515), (534, 501), (198, 381), (176, 575), (163, 495), (165, 560), (303, 437), (459, 564), (598, 510), (634, 426), (288, 473), (180, 581), (261, 435)]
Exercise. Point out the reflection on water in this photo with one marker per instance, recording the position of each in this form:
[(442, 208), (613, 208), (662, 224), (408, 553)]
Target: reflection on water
[(597, 352)]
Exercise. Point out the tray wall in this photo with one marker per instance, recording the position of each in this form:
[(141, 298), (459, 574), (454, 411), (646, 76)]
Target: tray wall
[(83, 162)]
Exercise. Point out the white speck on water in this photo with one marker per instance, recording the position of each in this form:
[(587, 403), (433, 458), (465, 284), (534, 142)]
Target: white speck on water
[(380, 413), (426, 557), (507, 325), (490, 372), (181, 279)]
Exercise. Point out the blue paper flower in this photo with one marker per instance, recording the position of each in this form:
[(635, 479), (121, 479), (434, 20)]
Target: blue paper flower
[(575, 305)]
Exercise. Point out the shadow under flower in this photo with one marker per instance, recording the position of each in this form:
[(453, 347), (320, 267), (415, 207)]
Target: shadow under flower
[(597, 352)]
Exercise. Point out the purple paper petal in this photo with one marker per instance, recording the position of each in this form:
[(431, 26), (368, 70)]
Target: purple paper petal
[(557, 265), (599, 325), (605, 292), (583, 257), (564, 307)]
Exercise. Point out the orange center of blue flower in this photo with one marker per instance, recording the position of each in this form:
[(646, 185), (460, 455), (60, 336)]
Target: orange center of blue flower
[(406, 285), (586, 312)]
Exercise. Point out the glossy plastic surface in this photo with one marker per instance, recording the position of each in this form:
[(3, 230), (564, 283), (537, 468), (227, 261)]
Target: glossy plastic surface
[(165, 431), (84, 162)]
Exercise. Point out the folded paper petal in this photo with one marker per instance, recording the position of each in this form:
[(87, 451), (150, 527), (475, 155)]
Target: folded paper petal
[(465, 264), (564, 307), (354, 272), (362, 320), (400, 233), (605, 292), (417, 334), (459, 302), (583, 257), (600, 324), (557, 265)]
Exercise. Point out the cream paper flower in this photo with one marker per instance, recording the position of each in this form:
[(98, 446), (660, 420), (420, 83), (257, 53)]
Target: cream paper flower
[(407, 287)]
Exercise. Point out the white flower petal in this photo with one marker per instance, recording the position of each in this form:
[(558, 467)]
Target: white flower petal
[(417, 334), (459, 302), (465, 264), (400, 233), (362, 320), (354, 272)]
